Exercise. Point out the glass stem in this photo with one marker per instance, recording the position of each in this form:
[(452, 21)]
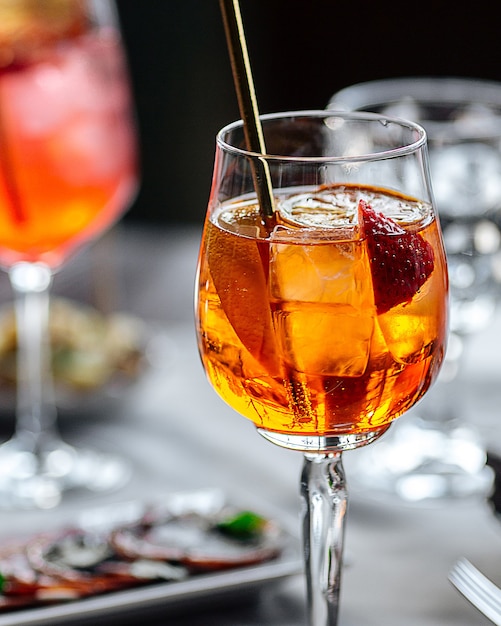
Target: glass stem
[(325, 499), (36, 412)]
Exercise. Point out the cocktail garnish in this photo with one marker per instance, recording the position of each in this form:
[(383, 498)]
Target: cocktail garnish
[(243, 525), (400, 261), (238, 271)]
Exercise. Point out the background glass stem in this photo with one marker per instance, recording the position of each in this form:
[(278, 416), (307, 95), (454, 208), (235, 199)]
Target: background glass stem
[(324, 494), (36, 412)]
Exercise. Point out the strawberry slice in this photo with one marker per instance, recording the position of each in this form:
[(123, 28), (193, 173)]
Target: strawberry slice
[(401, 262)]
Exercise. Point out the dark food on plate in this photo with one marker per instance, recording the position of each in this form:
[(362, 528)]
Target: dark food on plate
[(160, 546)]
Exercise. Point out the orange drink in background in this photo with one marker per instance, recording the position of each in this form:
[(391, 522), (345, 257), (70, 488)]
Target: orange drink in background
[(67, 145)]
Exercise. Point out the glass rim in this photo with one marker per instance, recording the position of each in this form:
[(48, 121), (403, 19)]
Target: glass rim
[(454, 90), (391, 153), (448, 94)]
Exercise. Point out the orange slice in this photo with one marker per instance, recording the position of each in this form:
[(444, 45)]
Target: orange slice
[(239, 276)]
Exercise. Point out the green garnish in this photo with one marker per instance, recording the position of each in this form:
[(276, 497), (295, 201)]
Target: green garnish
[(2, 581), (243, 525)]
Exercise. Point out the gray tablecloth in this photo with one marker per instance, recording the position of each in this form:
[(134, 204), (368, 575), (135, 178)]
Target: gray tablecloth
[(178, 434)]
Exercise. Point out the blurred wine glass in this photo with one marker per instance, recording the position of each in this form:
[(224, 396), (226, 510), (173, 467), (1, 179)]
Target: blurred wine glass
[(67, 173), (439, 454)]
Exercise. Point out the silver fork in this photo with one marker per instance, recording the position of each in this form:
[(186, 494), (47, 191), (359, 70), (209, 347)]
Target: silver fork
[(478, 589)]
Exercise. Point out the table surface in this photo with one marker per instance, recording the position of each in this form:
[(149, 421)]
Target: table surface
[(177, 435)]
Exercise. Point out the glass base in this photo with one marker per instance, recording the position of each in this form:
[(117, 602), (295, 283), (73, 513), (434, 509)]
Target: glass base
[(322, 444), (425, 461), (39, 481)]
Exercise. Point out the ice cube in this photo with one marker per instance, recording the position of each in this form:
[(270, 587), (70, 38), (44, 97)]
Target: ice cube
[(36, 99), (411, 330), (90, 149), (322, 209), (405, 335), (466, 178), (322, 299), (324, 340), (476, 119), (318, 272), (406, 108)]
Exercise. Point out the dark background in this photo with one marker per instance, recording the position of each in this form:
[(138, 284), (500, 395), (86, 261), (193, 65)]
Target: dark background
[(301, 51)]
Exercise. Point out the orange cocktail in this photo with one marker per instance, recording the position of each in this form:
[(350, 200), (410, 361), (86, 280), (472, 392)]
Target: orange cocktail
[(322, 299), (332, 324), (67, 145)]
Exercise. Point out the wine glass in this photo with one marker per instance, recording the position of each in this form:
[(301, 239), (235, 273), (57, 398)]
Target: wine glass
[(326, 320), (438, 454), (67, 173)]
